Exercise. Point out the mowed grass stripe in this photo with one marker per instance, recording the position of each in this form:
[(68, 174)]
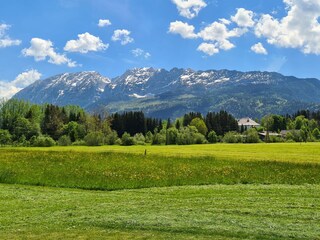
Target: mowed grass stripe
[(202, 212), (113, 171)]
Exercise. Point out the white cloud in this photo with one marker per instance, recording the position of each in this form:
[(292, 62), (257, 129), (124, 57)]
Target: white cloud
[(208, 48), (8, 89), (26, 78), (219, 33), (184, 29), (138, 52), (243, 18), (104, 22), (85, 43), (5, 40), (259, 49), (189, 8), (225, 21), (42, 49), (299, 29), (122, 35), (216, 35)]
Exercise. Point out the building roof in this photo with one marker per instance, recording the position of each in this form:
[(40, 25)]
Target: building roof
[(247, 122), (270, 134)]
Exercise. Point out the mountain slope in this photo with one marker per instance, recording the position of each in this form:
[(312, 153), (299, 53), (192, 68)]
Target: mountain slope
[(163, 93), (84, 89)]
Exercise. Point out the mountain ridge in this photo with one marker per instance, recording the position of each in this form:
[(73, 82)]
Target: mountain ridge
[(171, 93)]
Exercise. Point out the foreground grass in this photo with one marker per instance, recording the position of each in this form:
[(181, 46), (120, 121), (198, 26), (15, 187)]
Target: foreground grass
[(112, 171), (207, 212)]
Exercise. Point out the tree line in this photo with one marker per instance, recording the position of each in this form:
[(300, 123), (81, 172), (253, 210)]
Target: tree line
[(26, 124)]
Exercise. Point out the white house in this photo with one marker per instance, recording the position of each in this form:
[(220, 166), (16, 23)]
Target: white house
[(247, 123)]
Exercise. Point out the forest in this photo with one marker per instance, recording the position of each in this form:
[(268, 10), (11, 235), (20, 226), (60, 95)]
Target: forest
[(26, 124)]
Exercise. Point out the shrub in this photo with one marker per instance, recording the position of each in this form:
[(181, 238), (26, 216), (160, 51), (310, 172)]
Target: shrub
[(252, 136), (139, 139), (190, 135), (294, 136), (118, 142), (159, 138), (94, 139), (316, 133), (232, 137), (79, 143), (5, 137), (212, 137), (112, 138), (149, 137), (172, 135), (64, 141), (43, 141), (127, 140), (200, 125)]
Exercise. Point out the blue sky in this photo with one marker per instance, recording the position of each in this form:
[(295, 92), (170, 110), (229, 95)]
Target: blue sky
[(39, 38)]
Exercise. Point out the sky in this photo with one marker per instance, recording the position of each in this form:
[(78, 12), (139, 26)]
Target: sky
[(39, 39)]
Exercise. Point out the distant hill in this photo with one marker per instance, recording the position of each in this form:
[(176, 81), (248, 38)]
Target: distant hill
[(162, 93)]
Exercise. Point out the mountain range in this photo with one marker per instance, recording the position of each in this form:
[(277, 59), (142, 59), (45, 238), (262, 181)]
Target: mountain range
[(162, 93)]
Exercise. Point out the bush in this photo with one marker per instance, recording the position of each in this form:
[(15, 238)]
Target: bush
[(232, 137), (190, 135), (171, 136), (127, 140), (275, 139), (212, 137), (149, 137), (316, 133), (159, 138), (79, 143), (200, 125), (5, 137), (294, 135), (43, 141), (252, 136), (139, 139), (118, 142), (94, 139), (112, 138), (64, 141)]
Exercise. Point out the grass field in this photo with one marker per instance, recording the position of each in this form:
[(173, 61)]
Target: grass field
[(206, 212), (259, 191), (292, 152)]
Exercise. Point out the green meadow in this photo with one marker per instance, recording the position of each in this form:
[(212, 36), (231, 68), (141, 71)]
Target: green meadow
[(221, 191)]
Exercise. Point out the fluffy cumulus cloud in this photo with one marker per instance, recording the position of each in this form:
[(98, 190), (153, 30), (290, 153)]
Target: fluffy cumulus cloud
[(218, 32), (5, 40), (122, 35), (217, 35), (183, 29), (8, 89), (243, 18), (85, 43), (300, 28), (189, 8), (138, 52), (208, 48), (259, 49), (104, 22), (42, 49)]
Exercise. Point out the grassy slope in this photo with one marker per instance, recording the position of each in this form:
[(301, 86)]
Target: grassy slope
[(96, 169), (207, 212)]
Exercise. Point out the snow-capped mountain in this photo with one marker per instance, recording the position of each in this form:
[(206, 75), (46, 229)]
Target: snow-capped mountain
[(83, 88), (164, 93)]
